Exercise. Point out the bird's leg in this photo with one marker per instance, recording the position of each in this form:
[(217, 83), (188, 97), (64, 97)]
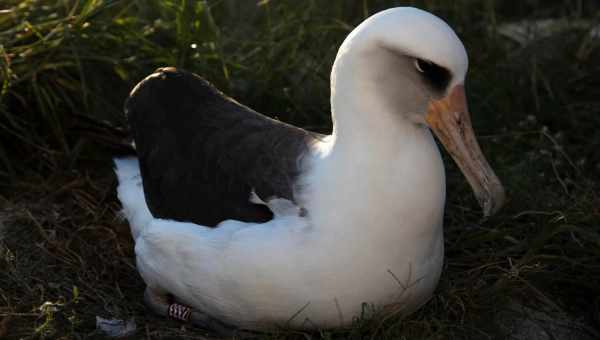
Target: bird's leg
[(160, 303)]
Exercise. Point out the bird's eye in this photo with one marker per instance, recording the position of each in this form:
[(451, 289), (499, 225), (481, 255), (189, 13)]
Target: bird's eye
[(423, 65), (437, 76)]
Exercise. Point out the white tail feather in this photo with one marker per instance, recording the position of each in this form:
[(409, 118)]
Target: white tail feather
[(131, 194)]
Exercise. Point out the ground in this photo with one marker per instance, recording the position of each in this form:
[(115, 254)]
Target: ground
[(66, 255)]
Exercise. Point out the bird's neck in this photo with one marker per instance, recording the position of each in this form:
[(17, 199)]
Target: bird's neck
[(378, 174), (376, 181)]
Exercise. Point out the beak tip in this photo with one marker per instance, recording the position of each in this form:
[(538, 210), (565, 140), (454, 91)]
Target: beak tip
[(493, 201)]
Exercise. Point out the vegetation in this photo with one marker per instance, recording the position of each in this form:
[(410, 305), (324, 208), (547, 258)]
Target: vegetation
[(66, 67)]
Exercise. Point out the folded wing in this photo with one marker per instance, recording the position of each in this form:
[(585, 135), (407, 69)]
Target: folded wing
[(201, 153)]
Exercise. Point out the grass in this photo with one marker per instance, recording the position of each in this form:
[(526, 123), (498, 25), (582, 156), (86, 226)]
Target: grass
[(66, 66)]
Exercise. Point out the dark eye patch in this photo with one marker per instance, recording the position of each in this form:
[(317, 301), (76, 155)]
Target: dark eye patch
[(438, 77)]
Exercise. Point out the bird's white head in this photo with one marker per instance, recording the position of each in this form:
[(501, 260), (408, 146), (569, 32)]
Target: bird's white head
[(426, 40), (409, 66)]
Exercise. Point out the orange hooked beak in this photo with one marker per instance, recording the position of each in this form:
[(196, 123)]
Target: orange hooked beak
[(450, 121)]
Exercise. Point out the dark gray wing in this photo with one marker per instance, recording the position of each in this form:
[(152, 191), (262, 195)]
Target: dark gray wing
[(201, 153)]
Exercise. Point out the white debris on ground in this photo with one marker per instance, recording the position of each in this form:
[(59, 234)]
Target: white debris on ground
[(115, 328)]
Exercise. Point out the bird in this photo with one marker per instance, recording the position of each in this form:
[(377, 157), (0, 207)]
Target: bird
[(241, 221)]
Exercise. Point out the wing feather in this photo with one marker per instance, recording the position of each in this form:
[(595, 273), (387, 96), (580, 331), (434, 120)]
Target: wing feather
[(201, 153)]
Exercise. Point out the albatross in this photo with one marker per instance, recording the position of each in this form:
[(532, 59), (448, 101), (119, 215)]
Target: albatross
[(253, 223)]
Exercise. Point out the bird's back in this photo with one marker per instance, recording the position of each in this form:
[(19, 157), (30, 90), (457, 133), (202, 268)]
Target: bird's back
[(201, 153)]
